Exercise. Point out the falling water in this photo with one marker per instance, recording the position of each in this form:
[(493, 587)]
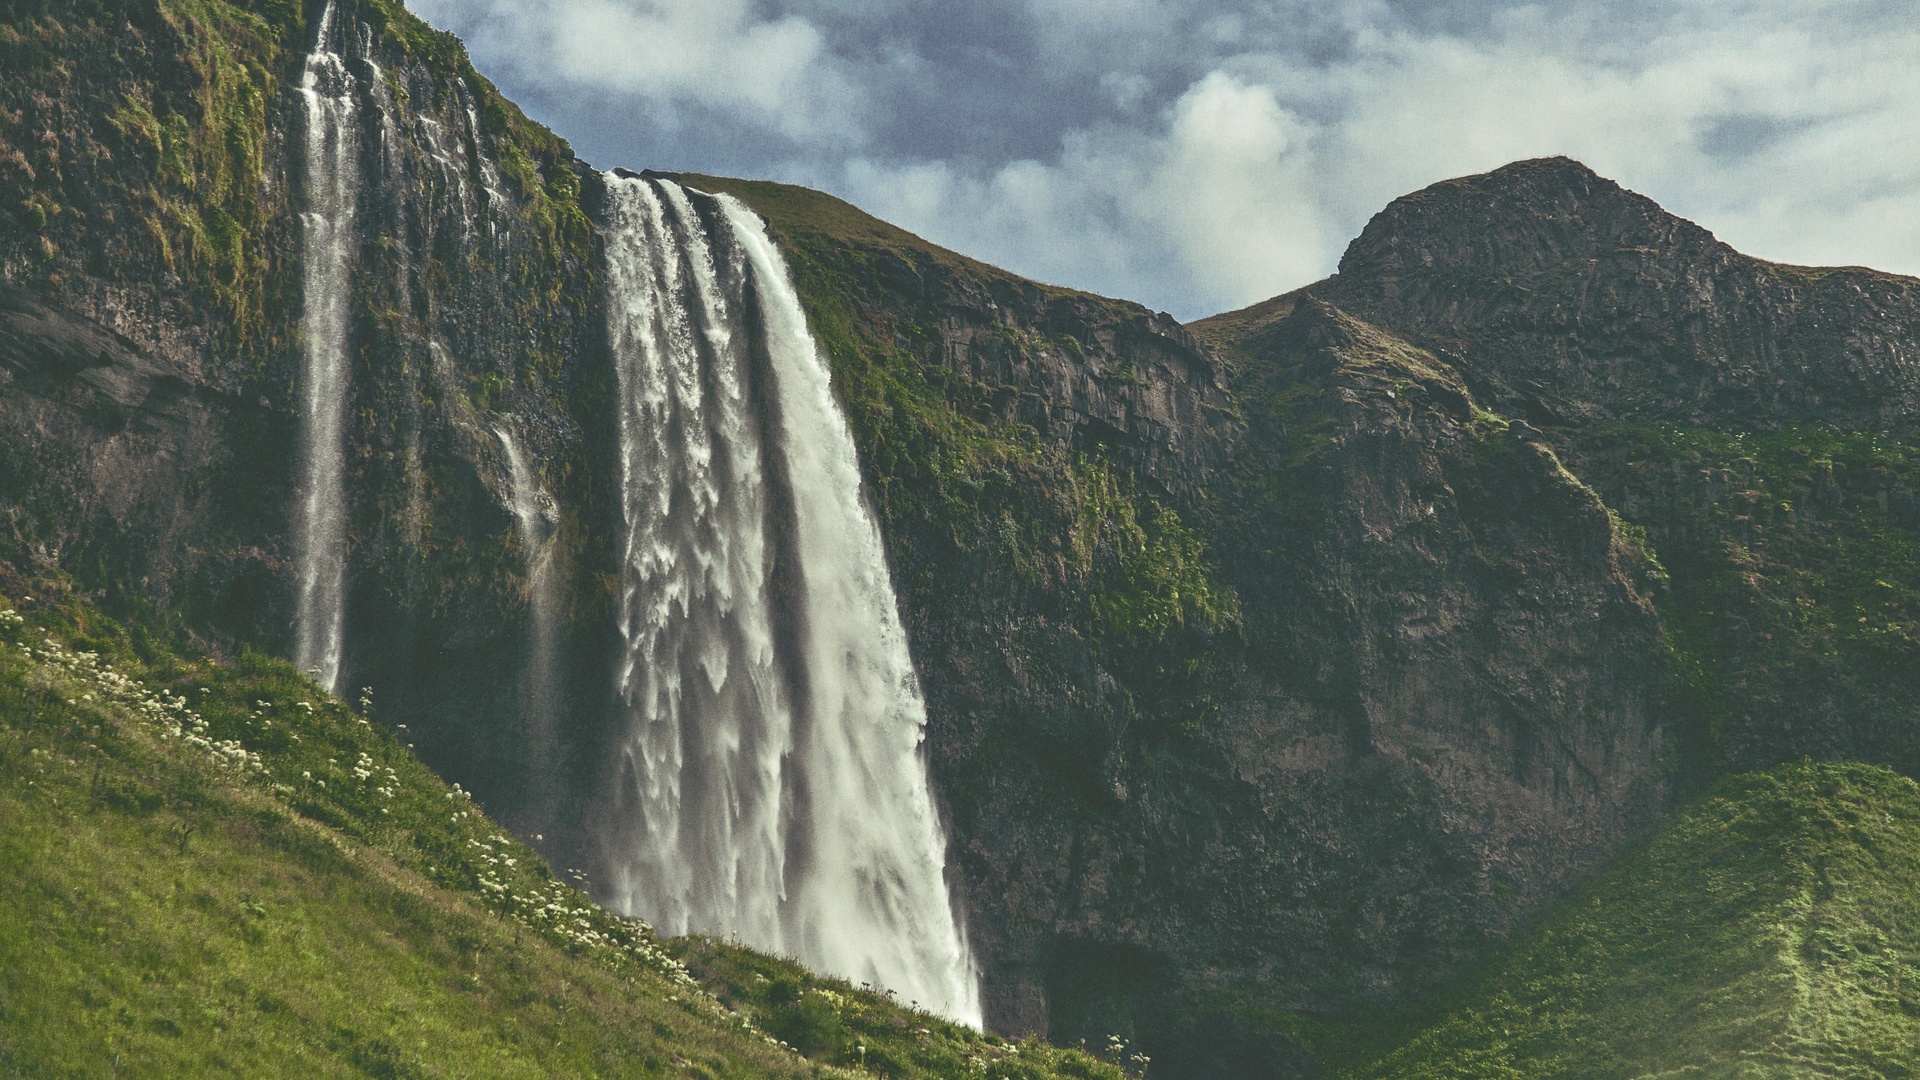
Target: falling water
[(535, 518), (327, 234), (772, 784), (489, 173)]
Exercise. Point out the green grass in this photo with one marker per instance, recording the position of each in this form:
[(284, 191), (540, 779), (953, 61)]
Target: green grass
[(214, 869), (1770, 929), (832, 1021)]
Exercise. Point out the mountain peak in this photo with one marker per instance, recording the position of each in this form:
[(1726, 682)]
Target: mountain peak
[(1566, 298), (1527, 215)]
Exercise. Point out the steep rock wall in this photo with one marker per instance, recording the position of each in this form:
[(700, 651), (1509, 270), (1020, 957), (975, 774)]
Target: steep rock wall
[(156, 200), (1756, 420), (1449, 705)]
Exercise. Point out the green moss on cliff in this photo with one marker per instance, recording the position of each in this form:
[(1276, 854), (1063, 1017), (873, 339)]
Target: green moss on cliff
[(147, 130), (1083, 538), (1794, 567), (209, 203)]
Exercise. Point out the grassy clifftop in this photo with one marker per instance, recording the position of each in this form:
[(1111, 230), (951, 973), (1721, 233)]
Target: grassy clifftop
[(214, 869)]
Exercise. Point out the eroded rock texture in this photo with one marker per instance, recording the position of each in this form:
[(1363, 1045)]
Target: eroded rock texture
[(1570, 299)]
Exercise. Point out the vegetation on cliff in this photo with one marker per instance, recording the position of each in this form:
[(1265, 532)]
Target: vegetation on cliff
[(1794, 565), (1769, 929), (214, 868), (1082, 534)]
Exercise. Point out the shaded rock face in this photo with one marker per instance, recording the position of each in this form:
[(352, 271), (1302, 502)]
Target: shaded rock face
[(1566, 298), (1445, 708), (151, 349), (121, 461)]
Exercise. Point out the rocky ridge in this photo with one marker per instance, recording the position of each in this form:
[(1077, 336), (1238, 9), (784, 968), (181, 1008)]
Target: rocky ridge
[(1568, 299)]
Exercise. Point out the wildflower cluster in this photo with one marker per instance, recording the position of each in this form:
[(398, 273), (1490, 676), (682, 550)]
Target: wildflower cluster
[(360, 784), (167, 713), (564, 915)]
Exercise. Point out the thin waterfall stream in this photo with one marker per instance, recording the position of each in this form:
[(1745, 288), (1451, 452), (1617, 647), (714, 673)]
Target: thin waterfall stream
[(772, 783), (535, 520), (327, 231)]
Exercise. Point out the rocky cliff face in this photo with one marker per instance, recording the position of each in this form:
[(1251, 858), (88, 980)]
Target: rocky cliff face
[(156, 171), (1569, 299), (1277, 665), (1756, 420)]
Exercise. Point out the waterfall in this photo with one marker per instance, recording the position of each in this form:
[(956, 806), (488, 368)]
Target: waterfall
[(489, 173), (772, 782), (327, 237), (535, 519)]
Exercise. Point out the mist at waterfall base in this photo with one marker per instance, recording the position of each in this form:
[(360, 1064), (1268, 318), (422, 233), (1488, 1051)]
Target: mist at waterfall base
[(772, 785)]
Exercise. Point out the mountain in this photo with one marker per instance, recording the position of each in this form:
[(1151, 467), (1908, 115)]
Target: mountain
[(1277, 670), (1750, 418), (1766, 930)]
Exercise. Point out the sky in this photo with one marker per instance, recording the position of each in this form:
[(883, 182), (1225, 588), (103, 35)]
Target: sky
[(1201, 155)]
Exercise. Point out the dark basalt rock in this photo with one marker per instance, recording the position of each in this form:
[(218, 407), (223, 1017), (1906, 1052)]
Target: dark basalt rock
[(1565, 298), (1443, 714), (124, 461)]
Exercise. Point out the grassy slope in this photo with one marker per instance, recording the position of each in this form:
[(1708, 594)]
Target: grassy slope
[(828, 1020), (214, 870), (1770, 929), (214, 889)]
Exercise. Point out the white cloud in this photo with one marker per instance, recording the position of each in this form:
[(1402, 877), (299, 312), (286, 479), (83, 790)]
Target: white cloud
[(1200, 213), (1245, 143), (1251, 182), (713, 53)]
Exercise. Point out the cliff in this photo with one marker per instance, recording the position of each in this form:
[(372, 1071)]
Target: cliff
[(1277, 666), (1755, 420), (1572, 300)]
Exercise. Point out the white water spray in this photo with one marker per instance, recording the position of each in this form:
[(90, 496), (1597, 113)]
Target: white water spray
[(773, 785), (327, 235)]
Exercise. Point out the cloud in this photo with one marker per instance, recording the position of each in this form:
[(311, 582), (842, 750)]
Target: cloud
[(1792, 142), (714, 54), (1202, 155), (1206, 211)]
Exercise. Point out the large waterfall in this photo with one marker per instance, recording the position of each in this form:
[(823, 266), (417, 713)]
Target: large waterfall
[(327, 238), (773, 785)]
